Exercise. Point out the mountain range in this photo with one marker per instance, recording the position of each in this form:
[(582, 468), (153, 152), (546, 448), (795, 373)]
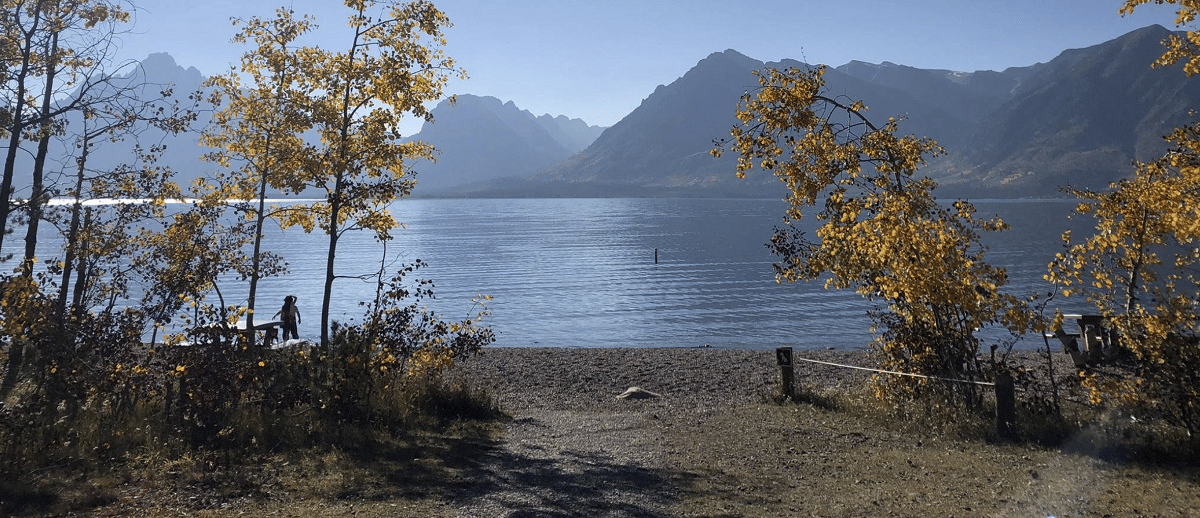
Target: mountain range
[(146, 83), (1081, 119), (483, 138)]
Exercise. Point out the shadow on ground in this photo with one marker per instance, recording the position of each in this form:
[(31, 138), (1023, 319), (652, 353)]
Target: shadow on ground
[(528, 481)]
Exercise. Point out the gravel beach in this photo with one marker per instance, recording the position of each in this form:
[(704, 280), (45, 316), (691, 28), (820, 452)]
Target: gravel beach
[(560, 378), (574, 447)]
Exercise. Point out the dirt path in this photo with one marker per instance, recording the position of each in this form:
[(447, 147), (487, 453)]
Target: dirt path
[(570, 463)]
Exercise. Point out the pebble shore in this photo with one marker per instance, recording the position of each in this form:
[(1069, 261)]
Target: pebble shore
[(562, 378), (565, 378)]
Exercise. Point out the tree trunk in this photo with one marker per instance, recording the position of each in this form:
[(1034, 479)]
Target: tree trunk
[(18, 112), (37, 197), (84, 268), (256, 259), (335, 208), (72, 246)]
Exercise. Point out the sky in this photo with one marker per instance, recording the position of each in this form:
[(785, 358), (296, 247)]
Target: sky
[(598, 59)]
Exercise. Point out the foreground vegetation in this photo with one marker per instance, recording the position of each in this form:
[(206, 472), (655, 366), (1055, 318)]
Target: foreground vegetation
[(122, 348), (89, 407), (145, 463), (566, 446), (109, 398)]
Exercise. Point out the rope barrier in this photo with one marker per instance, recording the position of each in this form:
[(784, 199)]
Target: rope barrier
[(983, 383)]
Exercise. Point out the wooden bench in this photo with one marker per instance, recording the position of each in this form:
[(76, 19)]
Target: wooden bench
[(1092, 344), (270, 330), (222, 334)]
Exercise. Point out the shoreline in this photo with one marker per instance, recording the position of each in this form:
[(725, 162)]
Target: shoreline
[(574, 378)]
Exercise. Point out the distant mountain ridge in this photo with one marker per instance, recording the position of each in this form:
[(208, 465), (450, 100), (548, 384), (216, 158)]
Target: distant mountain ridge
[(484, 138), (146, 81), (663, 144), (478, 138), (1081, 119)]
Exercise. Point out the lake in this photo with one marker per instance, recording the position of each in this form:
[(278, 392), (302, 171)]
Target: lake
[(622, 272)]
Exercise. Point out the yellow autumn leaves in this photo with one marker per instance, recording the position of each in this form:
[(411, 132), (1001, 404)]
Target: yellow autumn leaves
[(1185, 48), (880, 230), (1139, 270)]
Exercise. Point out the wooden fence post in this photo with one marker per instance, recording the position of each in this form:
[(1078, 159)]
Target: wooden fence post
[(182, 404), (783, 356), (1006, 405)]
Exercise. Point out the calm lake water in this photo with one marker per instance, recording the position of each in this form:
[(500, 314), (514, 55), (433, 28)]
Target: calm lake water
[(582, 272)]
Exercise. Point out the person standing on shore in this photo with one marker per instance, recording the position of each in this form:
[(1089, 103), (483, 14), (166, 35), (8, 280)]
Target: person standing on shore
[(291, 317)]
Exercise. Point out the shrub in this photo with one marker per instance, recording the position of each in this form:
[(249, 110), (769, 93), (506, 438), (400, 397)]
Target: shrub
[(100, 394)]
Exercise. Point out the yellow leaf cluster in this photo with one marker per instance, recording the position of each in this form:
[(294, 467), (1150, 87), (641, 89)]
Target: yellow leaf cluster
[(24, 310), (1184, 48), (429, 359), (1138, 269)]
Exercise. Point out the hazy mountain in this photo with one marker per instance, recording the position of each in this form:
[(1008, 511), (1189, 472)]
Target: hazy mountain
[(480, 138), (574, 134), (181, 151), (662, 146), (146, 81), (1080, 119), (483, 138), (955, 99)]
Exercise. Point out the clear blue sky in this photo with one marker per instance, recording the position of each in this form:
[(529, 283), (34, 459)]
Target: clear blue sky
[(597, 59)]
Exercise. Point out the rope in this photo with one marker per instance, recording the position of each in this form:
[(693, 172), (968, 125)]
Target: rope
[(983, 383)]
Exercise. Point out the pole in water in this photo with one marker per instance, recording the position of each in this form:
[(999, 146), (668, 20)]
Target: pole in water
[(655, 256)]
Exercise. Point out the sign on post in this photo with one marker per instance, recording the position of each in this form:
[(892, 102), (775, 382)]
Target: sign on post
[(784, 356)]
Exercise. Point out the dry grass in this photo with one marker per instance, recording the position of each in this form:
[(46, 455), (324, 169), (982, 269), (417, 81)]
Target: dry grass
[(570, 448), (860, 459)]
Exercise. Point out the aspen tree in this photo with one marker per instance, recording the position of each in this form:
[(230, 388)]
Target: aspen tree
[(1139, 266), (52, 53), (392, 65), (880, 230), (258, 133)]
